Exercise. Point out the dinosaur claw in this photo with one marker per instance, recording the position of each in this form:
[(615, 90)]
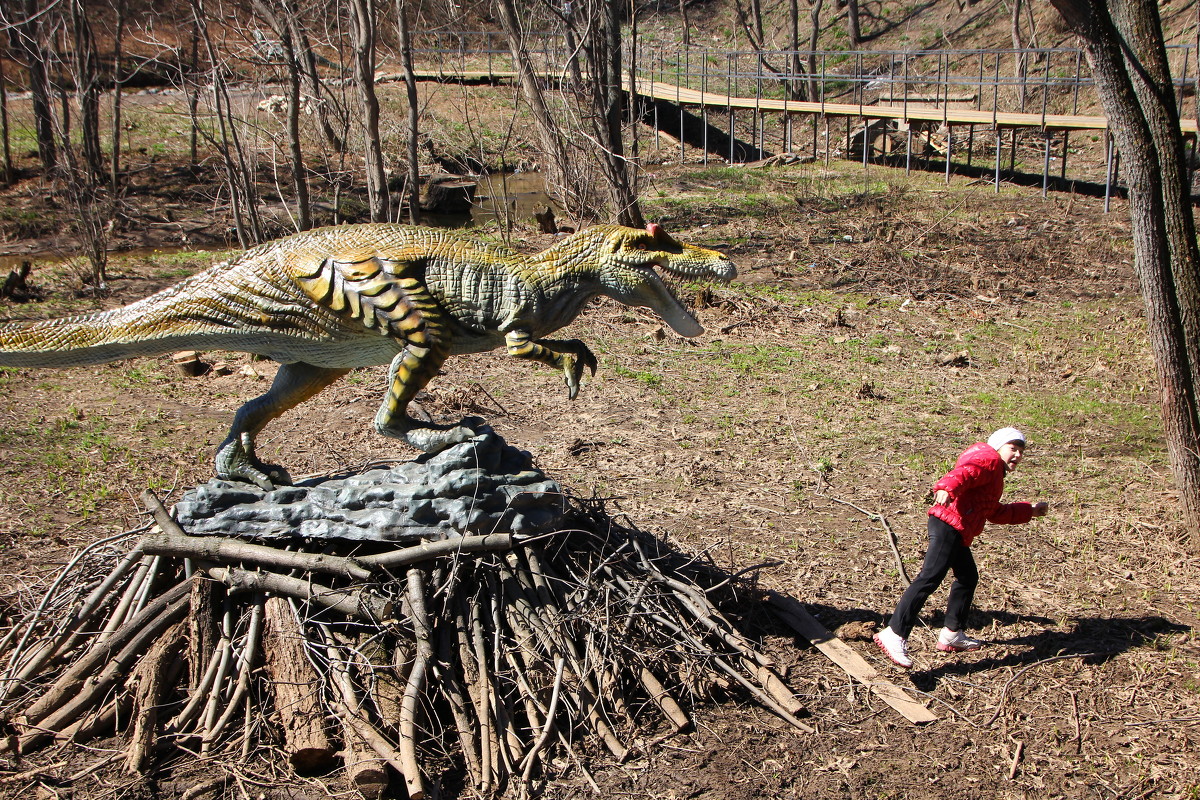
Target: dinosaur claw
[(236, 462), (575, 363), (427, 436)]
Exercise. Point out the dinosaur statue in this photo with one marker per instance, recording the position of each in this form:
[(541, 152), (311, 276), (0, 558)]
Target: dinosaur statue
[(325, 301)]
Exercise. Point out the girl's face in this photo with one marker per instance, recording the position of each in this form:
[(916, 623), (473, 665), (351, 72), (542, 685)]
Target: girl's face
[(1011, 454)]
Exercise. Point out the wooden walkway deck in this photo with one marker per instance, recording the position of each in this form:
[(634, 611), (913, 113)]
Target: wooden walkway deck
[(907, 112), (913, 111)]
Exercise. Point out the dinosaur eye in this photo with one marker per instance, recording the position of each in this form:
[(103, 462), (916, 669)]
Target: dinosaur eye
[(638, 245)]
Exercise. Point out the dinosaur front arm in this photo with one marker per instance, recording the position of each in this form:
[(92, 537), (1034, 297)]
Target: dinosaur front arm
[(569, 355)]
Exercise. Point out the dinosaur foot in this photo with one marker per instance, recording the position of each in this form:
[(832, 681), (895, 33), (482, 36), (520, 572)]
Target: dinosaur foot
[(430, 437), (236, 462)]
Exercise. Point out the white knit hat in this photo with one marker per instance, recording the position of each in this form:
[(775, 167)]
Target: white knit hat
[(1004, 436)]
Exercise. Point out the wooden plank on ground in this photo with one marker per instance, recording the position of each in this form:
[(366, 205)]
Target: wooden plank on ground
[(796, 615)]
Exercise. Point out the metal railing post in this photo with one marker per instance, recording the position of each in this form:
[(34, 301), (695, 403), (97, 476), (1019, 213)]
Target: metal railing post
[(949, 150), (1074, 106), (704, 105), (999, 146), (1108, 170), (979, 91), (729, 98), (679, 102), (1046, 165)]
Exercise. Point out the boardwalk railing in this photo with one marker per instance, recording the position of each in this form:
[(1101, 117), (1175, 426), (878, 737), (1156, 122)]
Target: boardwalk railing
[(1038, 93), (1040, 81)]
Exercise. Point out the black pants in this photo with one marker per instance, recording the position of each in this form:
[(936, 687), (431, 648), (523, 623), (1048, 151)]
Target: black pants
[(946, 552)]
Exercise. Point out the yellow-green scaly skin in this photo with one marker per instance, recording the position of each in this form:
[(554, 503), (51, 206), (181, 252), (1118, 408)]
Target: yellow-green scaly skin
[(325, 301)]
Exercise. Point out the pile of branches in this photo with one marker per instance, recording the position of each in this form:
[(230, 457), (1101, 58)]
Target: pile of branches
[(485, 661)]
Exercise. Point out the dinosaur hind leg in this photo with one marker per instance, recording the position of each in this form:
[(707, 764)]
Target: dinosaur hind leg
[(410, 371), (294, 383)]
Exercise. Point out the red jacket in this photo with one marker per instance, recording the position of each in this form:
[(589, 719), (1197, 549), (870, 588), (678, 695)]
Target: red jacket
[(975, 485)]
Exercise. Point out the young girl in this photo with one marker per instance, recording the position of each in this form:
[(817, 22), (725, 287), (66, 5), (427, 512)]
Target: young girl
[(963, 499)]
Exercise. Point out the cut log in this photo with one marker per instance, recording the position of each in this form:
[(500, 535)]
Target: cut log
[(203, 633), (151, 676), (365, 769), (297, 691), (666, 703)]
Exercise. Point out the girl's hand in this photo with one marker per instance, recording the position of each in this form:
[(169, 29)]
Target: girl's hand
[(941, 497), (1040, 509)]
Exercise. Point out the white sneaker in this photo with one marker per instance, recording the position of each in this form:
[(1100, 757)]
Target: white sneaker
[(956, 642), (894, 646)]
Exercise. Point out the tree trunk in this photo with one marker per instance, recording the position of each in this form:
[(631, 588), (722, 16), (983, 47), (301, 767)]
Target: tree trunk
[(593, 30), (363, 21), (299, 169), (1020, 64), (852, 26), (114, 174), (276, 19), (316, 86), (33, 48), (86, 75), (557, 165), (1128, 62), (239, 177), (193, 90), (621, 185), (7, 167), (414, 111), (795, 88), (814, 33)]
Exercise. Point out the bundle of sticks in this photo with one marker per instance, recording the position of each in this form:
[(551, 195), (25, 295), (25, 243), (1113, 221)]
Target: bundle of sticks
[(477, 659)]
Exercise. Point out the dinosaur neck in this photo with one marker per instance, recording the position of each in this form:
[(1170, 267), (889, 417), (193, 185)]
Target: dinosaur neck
[(563, 278)]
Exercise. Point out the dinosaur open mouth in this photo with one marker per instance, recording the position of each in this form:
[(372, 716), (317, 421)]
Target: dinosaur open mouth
[(672, 309)]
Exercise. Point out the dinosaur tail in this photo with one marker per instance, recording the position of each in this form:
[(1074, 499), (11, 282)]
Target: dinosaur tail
[(218, 309), (86, 339)]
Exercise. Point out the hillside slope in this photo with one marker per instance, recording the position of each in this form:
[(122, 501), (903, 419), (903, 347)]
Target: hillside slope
[(904, 25)]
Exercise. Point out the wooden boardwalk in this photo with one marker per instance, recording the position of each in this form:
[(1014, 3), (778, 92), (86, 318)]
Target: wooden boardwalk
[(905, 112), (913, 111)]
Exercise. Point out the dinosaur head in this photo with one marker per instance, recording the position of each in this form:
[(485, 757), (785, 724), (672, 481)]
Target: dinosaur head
[(627, 259)]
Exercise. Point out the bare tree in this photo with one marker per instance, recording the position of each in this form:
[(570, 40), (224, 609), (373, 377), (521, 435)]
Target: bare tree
[(29, 24), (588, 168), (276, 18), (794, 88), (239, 175), (853, 31), (363, 22), (557, 168), (1123, 44), (814, 34), (327, 105), (114, 162), (5, 138), (602, 42), (410, 87), (84, 66)]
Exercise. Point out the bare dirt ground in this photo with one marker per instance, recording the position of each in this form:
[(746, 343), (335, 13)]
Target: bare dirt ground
[(877, 328)]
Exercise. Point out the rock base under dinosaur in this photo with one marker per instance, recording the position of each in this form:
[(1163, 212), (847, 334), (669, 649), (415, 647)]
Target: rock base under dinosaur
[(480, 486)]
